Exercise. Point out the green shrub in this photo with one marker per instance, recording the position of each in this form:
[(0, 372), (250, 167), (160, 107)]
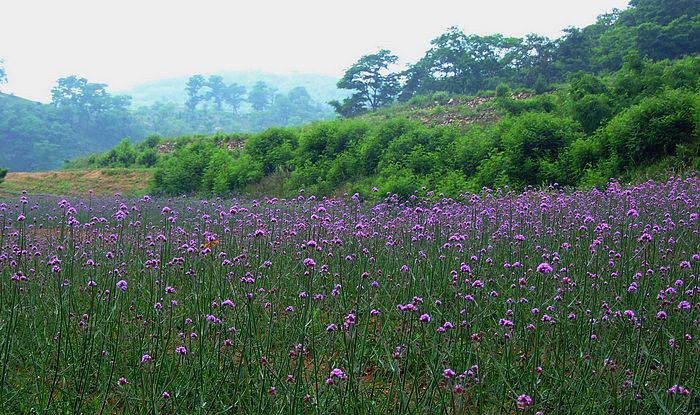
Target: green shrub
[(653, 128)]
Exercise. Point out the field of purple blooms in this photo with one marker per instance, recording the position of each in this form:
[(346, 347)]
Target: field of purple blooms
[(541, 302)]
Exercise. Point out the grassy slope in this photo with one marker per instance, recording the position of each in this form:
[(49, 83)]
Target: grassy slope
[(131, 182)]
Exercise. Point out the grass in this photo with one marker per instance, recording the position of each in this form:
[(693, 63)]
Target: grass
[(129, 182)]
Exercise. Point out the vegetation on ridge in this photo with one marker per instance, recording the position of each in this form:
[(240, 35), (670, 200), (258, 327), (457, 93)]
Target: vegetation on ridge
[(642, 119)]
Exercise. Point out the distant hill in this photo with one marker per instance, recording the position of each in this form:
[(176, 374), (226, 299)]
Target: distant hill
[(36, 136), (172, 91)]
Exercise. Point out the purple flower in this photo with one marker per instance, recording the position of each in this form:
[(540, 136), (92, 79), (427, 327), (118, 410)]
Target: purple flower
[(524, 401), (181, 350), (309, 262), (544, 268), (121, 284), (146, 358), (684, 305), (338, 373), (448, 373)]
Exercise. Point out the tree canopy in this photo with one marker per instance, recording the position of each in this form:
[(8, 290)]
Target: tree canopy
[(372, 82)]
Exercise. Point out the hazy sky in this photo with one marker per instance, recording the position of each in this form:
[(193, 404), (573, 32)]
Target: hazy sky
[(124, 42)]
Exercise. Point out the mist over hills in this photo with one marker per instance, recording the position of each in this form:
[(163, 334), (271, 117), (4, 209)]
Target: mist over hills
[(86, 116), (172, 90)]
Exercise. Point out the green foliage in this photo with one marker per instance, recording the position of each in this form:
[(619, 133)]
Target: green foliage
[(592, 110), (272, 148), (604, 106), (3, 173), (373, 85), (583, 134), (540, 85), (512, 106), (503, 90), (653, 128), (261, 96), (182, 171), (533, 141)]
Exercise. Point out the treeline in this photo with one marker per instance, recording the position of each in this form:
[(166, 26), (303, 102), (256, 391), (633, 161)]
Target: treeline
[(642, 119), (83, 118), (213, 105), (458, 63)]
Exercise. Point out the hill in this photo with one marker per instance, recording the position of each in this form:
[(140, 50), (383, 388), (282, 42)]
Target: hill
[(639, 121), (616, 99), (36, 136)]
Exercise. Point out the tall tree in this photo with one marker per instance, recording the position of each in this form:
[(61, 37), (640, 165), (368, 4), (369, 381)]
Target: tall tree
[(534, 59), (372, 82), (234, 95), (465, 64), (217, 90), (193, 88), (261, 96), (91, 109)]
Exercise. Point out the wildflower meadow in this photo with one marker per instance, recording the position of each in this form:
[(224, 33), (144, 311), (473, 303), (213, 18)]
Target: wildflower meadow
[(535, 302)]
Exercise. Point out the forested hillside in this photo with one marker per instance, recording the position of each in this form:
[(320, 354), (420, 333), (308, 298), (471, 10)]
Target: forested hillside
[(460, 63), (35, 136), (84, 117), (617, 99), (642, 120)]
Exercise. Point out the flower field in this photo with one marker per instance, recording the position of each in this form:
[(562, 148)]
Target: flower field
[(537, 302)]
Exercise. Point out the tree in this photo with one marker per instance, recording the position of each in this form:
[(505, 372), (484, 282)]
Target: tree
[(349, 107), (3, 173), (84, 101), (465, 64), (193, 88), (261, 96), (414, 80), (299, 96), (533, 59), (233, 96), (661, 12), (217, 90), (374, 86)]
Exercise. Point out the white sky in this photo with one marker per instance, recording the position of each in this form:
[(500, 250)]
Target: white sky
[(125, 42)]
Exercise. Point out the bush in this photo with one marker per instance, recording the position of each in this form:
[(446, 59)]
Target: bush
[(534, 138), (592, 111), (148, 157), (653, 128), (503, 90), (273, 148), (183, 170)]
